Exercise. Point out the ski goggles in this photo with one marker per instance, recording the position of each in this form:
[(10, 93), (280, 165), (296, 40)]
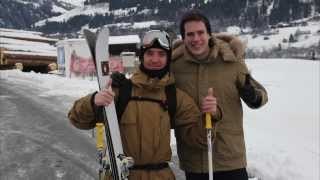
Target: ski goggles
[(156, 35)]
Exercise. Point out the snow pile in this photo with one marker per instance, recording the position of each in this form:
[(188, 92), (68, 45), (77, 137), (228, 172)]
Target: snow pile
[(282, 138)]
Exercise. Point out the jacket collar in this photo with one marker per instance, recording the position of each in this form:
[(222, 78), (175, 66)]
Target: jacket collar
[(140, 79), (219, 47)]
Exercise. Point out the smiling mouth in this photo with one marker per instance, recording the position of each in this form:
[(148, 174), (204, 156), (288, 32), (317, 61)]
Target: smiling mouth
[(196, 46), (155, 67)]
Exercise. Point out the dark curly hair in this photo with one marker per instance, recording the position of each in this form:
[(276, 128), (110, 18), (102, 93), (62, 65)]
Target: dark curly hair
[(194, 15)]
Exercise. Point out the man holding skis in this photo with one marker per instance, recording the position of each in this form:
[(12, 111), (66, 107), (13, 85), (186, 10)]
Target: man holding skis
[(201, 61), (145, 123)]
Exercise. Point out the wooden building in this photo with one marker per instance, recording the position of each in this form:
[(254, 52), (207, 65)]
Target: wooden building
[(31, 49)]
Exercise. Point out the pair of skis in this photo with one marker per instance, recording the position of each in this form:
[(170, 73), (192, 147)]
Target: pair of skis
[(111, 158)]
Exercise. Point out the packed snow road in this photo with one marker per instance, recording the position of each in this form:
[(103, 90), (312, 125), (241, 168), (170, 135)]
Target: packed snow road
[(36, 140)]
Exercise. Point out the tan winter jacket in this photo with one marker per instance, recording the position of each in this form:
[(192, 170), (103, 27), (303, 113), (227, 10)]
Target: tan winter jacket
[(224, 72), (145, 126)]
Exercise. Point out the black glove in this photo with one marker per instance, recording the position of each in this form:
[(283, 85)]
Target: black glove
[(98, 110), (117, 79), (249, 94)]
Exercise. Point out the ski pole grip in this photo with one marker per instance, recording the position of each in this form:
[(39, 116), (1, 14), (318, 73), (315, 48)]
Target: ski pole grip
[(99, 136), (208, 121), (208, 115)]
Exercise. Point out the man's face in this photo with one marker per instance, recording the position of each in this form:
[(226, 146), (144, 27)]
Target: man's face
[(196, 39), (155, 59)]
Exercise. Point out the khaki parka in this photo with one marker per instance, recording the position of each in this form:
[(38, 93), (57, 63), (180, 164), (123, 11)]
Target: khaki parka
[(145, 125), (224, 71)]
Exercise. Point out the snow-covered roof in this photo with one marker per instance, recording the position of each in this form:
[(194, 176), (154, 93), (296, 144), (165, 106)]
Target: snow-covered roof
[(113, 40), (48, 54), (128, 39), (145, 24), (21, 34), (27, 46)]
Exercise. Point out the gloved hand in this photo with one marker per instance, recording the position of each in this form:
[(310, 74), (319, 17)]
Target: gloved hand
[(117, 78), (249, 94)]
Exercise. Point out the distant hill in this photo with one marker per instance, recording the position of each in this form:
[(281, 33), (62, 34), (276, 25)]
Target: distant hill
[(22, 14), (69, 16)]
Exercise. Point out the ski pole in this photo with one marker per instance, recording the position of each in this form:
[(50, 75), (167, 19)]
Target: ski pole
[(209, 128)]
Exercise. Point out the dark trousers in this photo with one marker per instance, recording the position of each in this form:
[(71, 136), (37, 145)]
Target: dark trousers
[(237, 174)]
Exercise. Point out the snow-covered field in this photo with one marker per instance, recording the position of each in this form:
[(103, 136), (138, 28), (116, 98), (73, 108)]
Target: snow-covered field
[(282, 138), (306, 36)]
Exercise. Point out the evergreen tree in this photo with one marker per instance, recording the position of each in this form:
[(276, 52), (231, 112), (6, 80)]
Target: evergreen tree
[(291, 39)]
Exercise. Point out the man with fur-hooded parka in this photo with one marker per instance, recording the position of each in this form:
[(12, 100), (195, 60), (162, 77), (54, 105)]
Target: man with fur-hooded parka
[(224, 70)]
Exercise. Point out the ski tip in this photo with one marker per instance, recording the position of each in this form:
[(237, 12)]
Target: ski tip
[(103, 29), (87, 32)]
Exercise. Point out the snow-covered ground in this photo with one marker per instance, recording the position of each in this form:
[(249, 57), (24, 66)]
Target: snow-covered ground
[(306, 36), (282, 138)]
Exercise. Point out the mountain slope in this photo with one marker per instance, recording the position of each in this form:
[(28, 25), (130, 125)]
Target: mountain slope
[(67, 16), (22, 14)]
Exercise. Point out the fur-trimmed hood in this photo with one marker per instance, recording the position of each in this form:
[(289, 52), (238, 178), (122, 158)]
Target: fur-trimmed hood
[(230, 47)]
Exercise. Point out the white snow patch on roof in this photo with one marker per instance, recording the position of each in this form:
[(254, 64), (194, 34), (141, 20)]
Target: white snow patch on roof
[(145, 24), (127, 39), (48, 53), (23, 34), (27, 46), (124, 39)]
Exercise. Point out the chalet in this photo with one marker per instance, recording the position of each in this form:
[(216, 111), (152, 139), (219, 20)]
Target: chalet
[(31, 49)]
